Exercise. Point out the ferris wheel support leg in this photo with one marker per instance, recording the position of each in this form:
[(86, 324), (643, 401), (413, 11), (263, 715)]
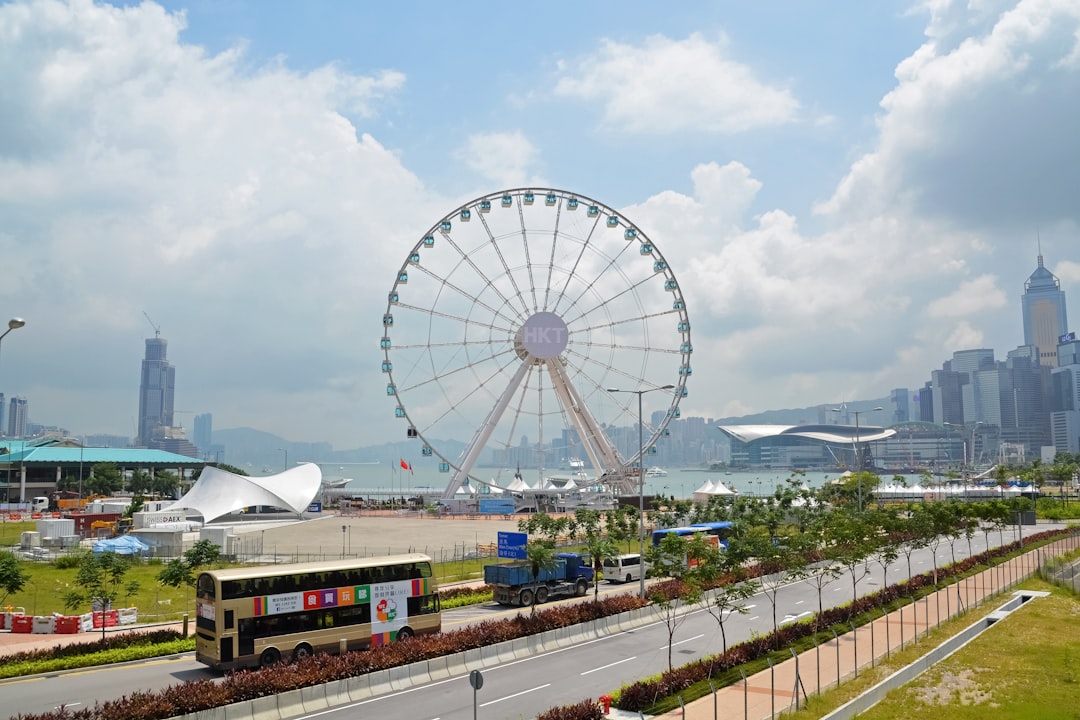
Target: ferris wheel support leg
[(597, 446), (483, 433)]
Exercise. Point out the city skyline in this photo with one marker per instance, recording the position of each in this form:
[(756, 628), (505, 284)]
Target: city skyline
[(847, 195)]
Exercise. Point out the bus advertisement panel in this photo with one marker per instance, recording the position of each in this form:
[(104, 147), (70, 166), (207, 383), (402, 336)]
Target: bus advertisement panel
[(261, 615)]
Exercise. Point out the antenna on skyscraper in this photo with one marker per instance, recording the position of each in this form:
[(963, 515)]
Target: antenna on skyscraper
[(157, 330)]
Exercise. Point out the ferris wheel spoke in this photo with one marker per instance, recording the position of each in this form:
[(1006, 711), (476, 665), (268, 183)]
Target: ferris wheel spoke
[(611, 266), (582, 250), (448, 344), (506, 268), (528, 258), (464, 295), (436, 377), (611, 300), (481, 275), (551, 259), (456, 318)]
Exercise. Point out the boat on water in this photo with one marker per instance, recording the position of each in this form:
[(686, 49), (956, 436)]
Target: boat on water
[(656, 472), (334, 484)]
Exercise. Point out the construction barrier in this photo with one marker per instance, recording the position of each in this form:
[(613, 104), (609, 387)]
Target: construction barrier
[(22, 623), (128, 616), (68, 624), (86, 622), (43, 624), (111, 618)]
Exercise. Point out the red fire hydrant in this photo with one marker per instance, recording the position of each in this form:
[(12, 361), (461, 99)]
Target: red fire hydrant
[(605, 701)]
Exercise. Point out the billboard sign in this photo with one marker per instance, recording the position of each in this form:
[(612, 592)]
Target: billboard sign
[(496, 506)]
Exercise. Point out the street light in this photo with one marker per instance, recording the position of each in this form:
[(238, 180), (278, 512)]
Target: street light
[(641, 476), (14, 324), (858, 454)]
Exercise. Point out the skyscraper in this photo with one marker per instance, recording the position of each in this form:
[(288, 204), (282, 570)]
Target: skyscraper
[(155, 392), (204, 430), (17, 417), (1044, 313)]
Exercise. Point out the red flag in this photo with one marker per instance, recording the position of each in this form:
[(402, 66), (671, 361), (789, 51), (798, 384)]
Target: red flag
[(405, 465)]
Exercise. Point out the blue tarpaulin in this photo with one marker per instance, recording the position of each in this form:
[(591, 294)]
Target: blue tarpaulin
[(123, 545)]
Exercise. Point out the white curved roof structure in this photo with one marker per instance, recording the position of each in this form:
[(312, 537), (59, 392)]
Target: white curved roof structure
[(219, 493), (836, 434)]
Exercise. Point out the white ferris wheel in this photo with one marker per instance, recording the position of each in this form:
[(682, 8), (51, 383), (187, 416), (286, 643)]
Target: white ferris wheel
[(510, 322)]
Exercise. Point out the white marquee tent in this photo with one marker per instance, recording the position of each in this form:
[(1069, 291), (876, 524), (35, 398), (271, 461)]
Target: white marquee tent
[(218, 493)]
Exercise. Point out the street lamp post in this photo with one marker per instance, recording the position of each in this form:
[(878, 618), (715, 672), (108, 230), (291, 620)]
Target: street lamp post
[(858, 453), (641, 477), (14, 324)]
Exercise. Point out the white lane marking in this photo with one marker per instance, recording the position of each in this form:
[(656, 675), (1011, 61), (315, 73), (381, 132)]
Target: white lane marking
[(605, 667), (510, 697), (664, 647)]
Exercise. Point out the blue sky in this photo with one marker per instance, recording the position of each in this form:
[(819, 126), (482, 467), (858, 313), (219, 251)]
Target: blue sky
[(848, 192)]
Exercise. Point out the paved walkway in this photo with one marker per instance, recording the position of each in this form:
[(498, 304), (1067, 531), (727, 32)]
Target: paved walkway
[(769, 693)]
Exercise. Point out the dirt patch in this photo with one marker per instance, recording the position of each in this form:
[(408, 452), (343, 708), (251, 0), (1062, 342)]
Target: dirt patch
[(953, 688)]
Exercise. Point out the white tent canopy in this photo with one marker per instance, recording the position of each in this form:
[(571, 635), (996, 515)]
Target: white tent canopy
[(218, 493)]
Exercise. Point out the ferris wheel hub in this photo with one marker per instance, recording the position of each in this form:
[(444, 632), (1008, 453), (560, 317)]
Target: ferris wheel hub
[(543, 336)]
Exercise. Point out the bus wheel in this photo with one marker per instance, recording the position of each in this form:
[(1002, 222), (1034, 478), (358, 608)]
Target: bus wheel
[(303, 650), (404, 633), (582, 588), (541, 595), (526, 598), (270, 656), (629, 578)]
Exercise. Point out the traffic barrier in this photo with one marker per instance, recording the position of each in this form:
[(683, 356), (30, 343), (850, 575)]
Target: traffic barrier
[(68, 624), (111, 618), (86, 622), (43, 624), (128, 616), (22, 623), (14, 517)]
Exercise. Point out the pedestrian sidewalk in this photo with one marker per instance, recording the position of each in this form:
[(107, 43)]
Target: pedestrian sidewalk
[(771, 692)]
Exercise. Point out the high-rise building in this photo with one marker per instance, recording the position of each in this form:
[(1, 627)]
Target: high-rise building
[(1045, 321), (204, 430), (155, 392), (3, 414), (1065, 400), (18, 416)]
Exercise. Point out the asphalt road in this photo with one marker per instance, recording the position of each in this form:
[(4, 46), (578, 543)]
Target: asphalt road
[(522, 688)]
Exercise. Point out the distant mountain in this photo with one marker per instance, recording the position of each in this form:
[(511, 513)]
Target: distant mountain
[(259, 452), (814, 415)]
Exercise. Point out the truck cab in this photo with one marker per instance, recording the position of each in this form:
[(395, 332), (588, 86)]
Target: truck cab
[(39, 504)]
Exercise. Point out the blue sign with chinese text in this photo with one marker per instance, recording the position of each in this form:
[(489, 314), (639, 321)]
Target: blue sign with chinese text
[(512, 545)]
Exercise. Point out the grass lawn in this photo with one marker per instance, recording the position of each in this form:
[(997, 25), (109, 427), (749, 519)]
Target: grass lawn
[(44, 593), (1026, 667)]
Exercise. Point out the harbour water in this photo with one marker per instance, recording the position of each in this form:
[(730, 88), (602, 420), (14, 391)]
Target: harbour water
[(389, 479)]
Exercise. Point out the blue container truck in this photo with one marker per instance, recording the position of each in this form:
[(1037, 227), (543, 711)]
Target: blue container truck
[(514, 585)]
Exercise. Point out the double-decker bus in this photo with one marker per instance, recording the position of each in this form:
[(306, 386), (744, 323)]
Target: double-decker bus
[(247, 617)]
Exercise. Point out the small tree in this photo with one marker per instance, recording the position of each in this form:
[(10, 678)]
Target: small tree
[(12, 576), (541, 556), (101, 579), (727, 599), (599, 547), (690, 563), (181, 571)]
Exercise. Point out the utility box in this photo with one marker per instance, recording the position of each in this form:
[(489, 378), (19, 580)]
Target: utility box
[(29, 539)]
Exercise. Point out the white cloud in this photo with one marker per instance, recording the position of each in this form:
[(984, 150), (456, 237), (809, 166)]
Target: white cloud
[(667, 86), (504, 159), (973, 296), (239, 206), (966, 134)]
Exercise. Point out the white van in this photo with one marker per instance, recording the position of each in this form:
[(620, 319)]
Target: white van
[(623, 568)]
